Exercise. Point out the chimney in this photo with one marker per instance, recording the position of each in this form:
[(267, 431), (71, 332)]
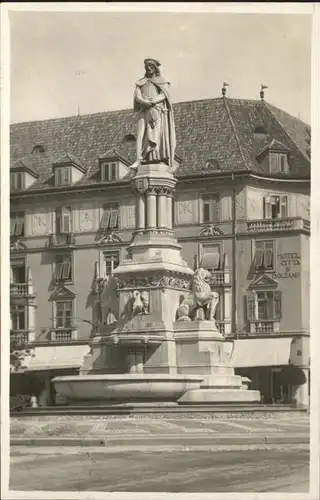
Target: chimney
[(262, 91), (224, 88)]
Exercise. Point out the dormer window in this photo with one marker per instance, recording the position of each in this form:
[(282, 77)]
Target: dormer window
[(278, 163), (62, 176), (67, 170), (259, 130), (109, 171), (17, 181), (38, 149)]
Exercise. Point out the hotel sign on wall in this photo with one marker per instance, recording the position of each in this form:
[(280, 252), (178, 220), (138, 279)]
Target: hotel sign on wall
[(289, 262)]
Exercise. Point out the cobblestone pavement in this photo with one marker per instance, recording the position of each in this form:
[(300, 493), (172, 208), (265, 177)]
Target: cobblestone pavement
[(145, 426), (169, 469)]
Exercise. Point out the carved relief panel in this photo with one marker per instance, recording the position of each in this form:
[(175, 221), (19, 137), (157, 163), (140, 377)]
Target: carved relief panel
[(186, 209), (128, 213), (41, 223), (84, 218)]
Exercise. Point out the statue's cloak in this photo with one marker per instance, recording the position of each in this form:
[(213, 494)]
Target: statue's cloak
[(162, 85)]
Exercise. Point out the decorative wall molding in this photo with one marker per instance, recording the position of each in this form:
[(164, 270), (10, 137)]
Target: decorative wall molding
[(110, 238), (211, 230), (166, 279), (17, 246)]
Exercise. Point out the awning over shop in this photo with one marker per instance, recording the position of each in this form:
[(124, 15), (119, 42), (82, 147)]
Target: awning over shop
[(261, 352), (55, 357)]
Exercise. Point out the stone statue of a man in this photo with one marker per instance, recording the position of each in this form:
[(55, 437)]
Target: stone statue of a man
[(156, 139)]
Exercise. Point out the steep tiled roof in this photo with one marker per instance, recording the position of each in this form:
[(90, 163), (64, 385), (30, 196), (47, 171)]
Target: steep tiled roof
[(220, 130)]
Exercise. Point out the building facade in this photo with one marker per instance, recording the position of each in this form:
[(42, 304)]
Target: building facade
[(241, 209)]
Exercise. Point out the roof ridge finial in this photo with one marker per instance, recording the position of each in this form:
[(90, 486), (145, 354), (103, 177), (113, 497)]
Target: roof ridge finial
[(224, 88), (262, 91)]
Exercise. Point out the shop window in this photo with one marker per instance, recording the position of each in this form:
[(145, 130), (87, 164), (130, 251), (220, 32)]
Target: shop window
[(264, 255), (275, 207), (110, 216), (210, 208), (17, 224)]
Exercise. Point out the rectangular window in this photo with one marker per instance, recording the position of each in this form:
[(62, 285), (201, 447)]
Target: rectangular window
[(275, 207), (17, 181), (264, 255), (63, 220), (111, 261), (264, 305), (110, 216), (278, 163), (62, 176), (211, 257), (211, 208), (109, 171), (18, 271), (18, 318), (17, 224), (64, 314), (63, 267)]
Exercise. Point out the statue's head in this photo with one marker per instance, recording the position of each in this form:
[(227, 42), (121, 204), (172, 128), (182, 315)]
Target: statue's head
[(151, 67), (200, 281)]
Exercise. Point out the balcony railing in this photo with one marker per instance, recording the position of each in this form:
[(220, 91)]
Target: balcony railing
[(20, 289), (219, 278), (61, 240), (288, 224), (63, 334), (19, 337), (264, 326)]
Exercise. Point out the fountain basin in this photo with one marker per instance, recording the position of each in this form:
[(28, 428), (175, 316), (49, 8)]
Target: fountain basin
[(135, 387)]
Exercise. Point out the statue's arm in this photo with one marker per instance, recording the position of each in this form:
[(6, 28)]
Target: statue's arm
[(139, 99)]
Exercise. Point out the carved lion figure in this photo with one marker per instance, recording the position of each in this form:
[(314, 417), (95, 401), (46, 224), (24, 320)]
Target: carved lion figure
[(202, 297), (202, 293)]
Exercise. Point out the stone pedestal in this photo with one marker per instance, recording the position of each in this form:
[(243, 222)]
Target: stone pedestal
[(203, 350), (158, 357)]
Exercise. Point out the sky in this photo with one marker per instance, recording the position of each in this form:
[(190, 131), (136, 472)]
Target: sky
[(63, 63)]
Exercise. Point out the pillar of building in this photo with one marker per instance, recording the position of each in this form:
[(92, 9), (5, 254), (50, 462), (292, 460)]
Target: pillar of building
[(131, 358), (141, 209), (169, 211), (151, 210), (139, 362), (162, 210), (301, 397)]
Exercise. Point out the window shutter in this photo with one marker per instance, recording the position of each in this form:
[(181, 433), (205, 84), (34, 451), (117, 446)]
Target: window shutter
[(66, 220), (283, 207), (206, 211), (19, 227), (66, 268), (268, 258), (258, 259), (274, 157), (19, 180), (13, 222), (251, 306), (105, 218), (278, 304), (267, 208), (113, 219), (58, 270), (215, 209)]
